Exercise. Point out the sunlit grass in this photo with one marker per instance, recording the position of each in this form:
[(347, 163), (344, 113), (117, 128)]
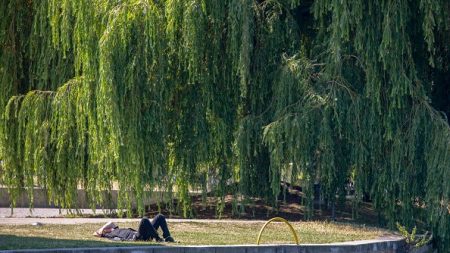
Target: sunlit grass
[(187, 233)]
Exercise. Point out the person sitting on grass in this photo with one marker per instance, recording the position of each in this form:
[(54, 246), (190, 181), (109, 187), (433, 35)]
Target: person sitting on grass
[(147, 231)]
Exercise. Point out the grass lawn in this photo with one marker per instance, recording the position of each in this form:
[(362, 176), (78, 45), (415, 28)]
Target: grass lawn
[(187, 233)]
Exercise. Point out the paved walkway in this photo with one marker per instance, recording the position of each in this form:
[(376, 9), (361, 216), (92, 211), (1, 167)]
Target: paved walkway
[(22, 216), (41, 212), (72, 221), (48, 212)]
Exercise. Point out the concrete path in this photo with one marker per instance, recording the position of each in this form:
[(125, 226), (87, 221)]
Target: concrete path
[(22, 216), (48, 212), (71, 221), (41, 212)]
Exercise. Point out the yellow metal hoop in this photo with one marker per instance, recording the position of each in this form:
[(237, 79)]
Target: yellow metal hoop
[(281, 220)]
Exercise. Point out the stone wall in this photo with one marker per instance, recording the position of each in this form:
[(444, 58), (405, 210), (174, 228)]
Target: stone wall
[(387, 245)]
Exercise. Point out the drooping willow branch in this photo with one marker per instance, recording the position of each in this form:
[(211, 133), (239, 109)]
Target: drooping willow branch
[(174, 94)]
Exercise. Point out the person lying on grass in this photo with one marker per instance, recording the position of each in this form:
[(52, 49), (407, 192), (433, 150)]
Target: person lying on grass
[(147, 231)]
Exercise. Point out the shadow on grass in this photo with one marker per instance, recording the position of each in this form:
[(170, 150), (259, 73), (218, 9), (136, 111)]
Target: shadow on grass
[(14, 242)]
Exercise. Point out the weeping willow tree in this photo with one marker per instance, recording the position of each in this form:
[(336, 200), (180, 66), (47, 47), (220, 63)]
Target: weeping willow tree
[(386, 67), (261, 32), (374, 119), (169, 95)]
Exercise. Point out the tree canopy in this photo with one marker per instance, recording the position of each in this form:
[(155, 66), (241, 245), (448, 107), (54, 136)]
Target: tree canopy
[(170, 94)]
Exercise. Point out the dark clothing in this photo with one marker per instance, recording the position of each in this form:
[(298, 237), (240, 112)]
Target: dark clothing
[(147, 230), (122, 234)]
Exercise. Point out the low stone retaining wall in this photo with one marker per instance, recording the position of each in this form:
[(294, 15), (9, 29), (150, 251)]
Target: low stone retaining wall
[(386, 245), (424, 249)]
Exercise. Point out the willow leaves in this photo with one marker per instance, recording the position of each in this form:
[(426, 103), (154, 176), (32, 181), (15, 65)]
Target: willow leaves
[(243, 94)]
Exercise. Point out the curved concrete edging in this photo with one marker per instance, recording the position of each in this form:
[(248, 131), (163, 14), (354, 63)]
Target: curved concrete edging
[(382, 245)]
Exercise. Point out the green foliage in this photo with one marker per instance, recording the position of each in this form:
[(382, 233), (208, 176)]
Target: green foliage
[(69, 138), (173, 94), (395, 127), (12, 163), (412, 239)]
